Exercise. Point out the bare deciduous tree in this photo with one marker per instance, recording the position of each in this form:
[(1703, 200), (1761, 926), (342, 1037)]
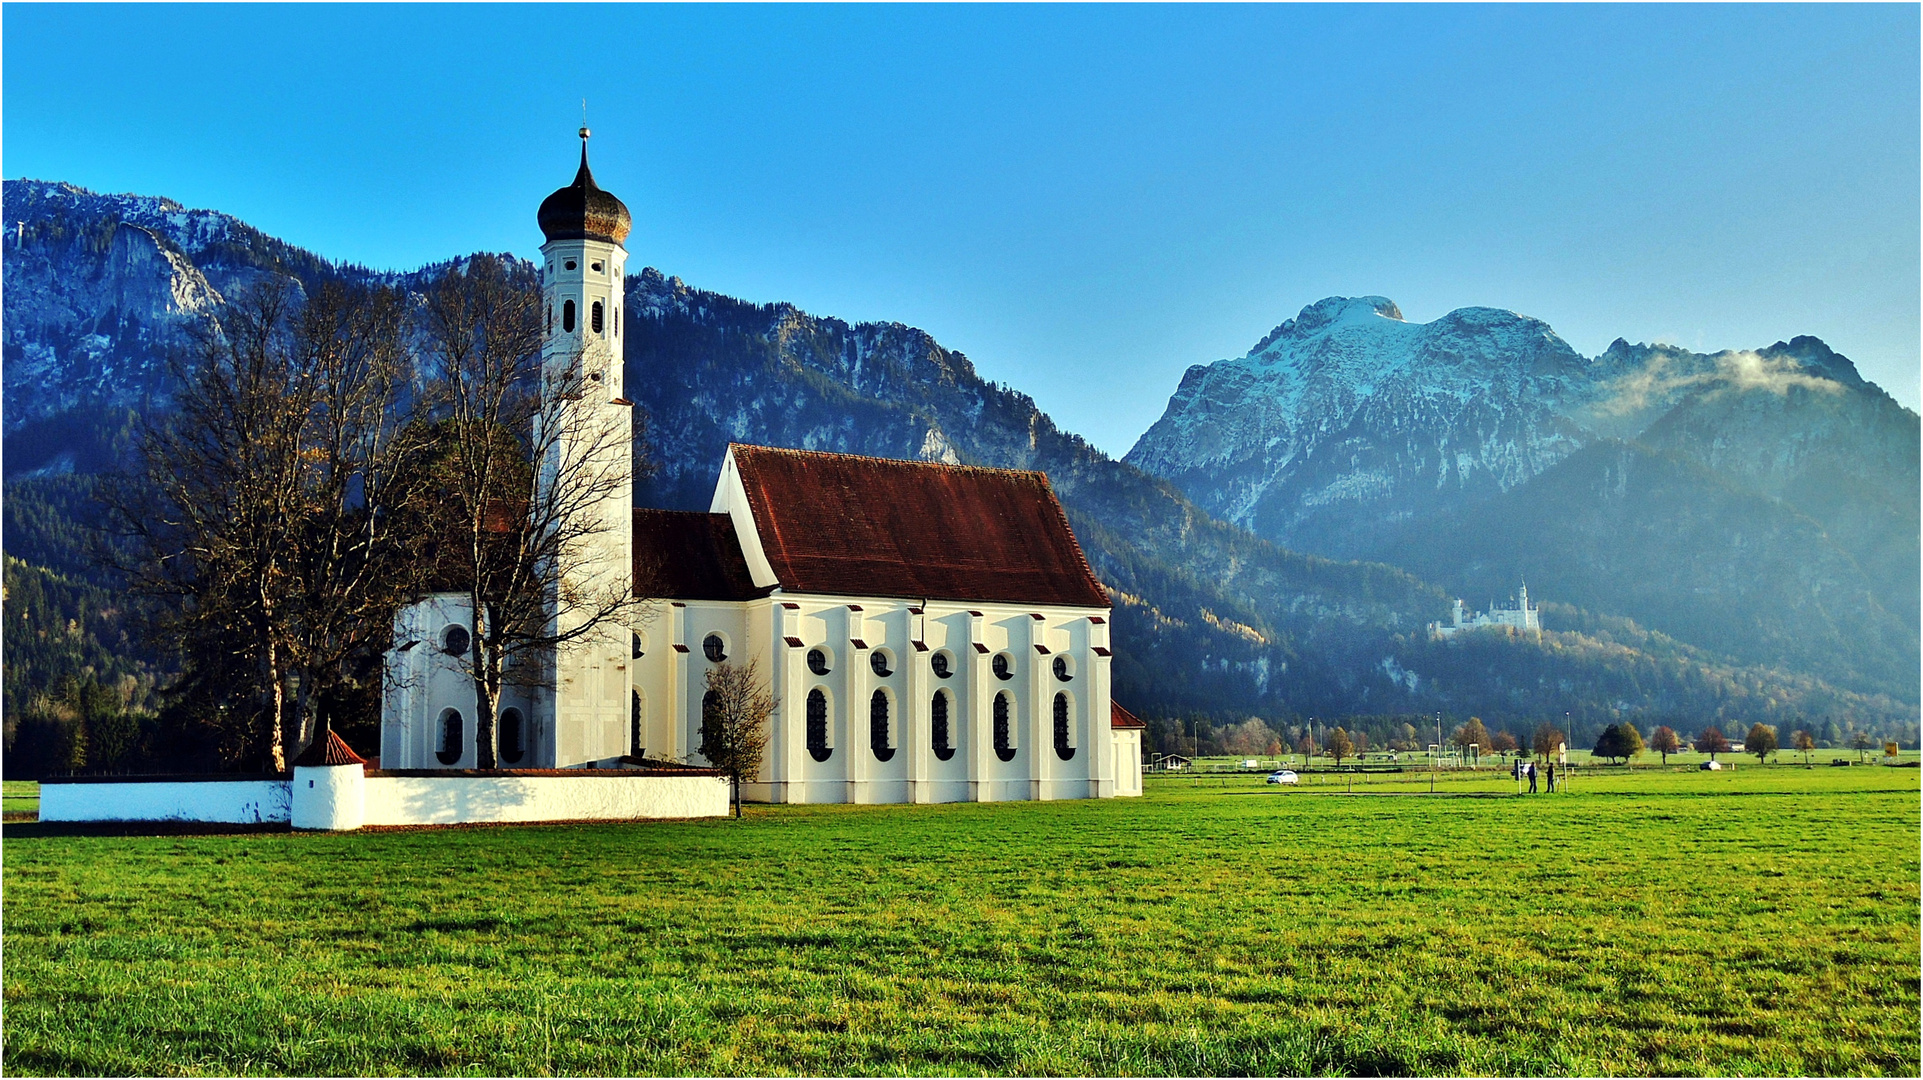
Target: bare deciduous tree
[(214, 513), (526, 456), (1804, 743), (734, 722)]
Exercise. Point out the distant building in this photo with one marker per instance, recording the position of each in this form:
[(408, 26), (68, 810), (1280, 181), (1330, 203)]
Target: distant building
[(1519, 616)]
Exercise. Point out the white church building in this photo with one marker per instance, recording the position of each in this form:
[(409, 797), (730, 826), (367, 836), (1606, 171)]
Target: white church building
[(929, 632)]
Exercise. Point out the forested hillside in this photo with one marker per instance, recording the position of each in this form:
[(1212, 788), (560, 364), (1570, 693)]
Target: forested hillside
[(1213, 624)]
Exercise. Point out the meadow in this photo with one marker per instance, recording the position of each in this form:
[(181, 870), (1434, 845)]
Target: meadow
[(1650, 921)]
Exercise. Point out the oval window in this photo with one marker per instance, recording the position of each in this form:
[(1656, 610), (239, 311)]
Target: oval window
[(938, 734), (818, 661), (878, 734), (942, 665), (1001, 666), (639, 651), (818, 747), (1064, 749), (714, 648), (1004, 729), (878, 660), (455, 640), (1062, 669), (567, 316), (513, 736)]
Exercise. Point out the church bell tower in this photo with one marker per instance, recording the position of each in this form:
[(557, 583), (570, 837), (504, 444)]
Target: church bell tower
[(583, 267)]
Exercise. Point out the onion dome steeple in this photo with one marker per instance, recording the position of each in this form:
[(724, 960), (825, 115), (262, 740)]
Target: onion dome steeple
[(582, 211)]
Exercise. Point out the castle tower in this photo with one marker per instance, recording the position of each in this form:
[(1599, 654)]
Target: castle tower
[(581, 284)]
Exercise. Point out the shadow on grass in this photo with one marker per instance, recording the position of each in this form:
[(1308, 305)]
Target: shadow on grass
[(16, 830)]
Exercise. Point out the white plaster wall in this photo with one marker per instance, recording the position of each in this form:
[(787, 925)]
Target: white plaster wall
[(671, 684), (234, 802), (329, 797), (1128, 761), (449, 800), (423, 681)]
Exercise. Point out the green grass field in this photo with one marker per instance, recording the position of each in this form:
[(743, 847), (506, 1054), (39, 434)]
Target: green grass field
[(19, 799), (1762, 921)]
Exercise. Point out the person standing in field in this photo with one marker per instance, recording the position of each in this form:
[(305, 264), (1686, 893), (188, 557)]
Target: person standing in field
[(1532, 778), (1550, 777)]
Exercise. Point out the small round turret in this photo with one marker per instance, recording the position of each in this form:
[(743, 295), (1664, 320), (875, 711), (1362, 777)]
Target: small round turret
[(582, 211)]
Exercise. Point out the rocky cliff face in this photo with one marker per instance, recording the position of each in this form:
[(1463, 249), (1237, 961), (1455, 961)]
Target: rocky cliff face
[(1455, 449), (1346, 419), (1375, 420)]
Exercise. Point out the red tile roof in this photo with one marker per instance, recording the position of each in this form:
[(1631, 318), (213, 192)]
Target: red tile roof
[(332, 750), (845, 525), (680, 555), (1120, 718)]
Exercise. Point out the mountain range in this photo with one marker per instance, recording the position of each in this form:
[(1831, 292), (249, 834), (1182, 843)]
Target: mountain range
[(1275, 545)]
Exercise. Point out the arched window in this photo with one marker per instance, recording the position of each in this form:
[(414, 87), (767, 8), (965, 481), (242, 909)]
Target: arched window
[(513, 736), (1064, 749), (1003, 670), (1004, 728), (710, 722), (450, 750), (818, 661), (714, 648), (944, 742), (567, 316), (878, 739), (594, 317), (455, 640), (1062, 669), (638, 646), (818, 747), (942, 665), (637, 723), (878, 660)]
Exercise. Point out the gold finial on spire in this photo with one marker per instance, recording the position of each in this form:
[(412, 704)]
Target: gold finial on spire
[(584, 120)]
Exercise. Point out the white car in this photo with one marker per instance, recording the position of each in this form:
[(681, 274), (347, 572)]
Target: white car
[(1282, 776)]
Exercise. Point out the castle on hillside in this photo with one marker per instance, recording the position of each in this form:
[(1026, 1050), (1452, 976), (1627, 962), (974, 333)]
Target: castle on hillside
[(1520, 617), (928, 632)]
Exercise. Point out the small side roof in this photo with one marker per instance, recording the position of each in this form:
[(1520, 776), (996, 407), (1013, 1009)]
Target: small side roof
[(683, 555), (1121, 719), (332, 750), (849, 525)]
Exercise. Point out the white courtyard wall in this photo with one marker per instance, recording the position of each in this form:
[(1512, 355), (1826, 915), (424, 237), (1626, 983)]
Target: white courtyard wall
[(448, 800), (229, 802)]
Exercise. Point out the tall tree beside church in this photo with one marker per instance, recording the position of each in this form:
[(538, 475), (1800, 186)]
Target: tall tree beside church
[(510, 533), (734, 722), (355, 560), (213, 515)]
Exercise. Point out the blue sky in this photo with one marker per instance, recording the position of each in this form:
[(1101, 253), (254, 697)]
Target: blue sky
[(1084, 199)]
